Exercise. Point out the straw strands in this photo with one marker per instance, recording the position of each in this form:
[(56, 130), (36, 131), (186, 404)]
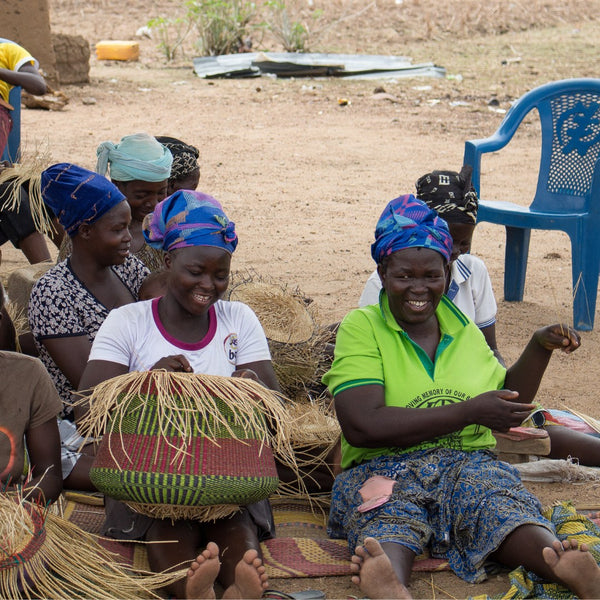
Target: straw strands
[(190, 402), (296, 341), (27, 173), (45, 556), (187, 446)]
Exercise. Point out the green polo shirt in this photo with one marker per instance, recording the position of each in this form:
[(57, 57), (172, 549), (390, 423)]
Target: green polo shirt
[(372, 349)]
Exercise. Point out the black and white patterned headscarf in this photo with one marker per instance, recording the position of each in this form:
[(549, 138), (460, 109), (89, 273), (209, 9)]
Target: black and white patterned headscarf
[(450, 194), (185, 157)]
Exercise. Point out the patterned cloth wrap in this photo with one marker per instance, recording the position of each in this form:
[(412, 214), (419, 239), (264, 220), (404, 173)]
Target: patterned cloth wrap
[(137, 157), (409, 223), (569, 525), (450, 194), (188, 218), (185, 157), (460, 505), (77, 196), (140, 460)]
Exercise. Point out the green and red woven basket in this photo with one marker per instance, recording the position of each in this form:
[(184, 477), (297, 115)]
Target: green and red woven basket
[(167, 454)]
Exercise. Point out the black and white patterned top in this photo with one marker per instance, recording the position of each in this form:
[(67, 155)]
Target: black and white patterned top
[(61, 306)]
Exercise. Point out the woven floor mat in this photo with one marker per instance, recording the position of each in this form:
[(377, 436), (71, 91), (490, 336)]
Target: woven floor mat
[(301, 548)]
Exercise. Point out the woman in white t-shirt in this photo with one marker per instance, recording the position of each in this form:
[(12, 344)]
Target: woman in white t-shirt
[(190, 329)]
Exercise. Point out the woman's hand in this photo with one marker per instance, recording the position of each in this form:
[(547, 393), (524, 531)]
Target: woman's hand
[(559, 336), (499, 410), (175, 362), (246, 374)]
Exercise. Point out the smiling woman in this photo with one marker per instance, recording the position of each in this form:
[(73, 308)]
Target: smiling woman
[(190, 329), (69, 303), (417, 392)]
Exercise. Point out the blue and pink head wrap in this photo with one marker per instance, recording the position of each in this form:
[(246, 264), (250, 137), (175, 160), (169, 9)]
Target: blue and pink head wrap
[(188, 218), (77, 196), (409, 223)]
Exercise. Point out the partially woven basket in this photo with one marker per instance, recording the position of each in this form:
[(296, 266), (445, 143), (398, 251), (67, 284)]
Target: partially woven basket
[(183, 445), (45, 556)]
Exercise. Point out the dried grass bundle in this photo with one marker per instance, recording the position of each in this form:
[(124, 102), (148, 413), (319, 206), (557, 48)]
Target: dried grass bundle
[(186, 513), (283, 315), (28, 173), (314, 433), (45, 556), (289, 319), (18, 316), (192, 402)]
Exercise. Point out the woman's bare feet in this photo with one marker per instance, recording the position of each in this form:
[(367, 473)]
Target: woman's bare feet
[(375, 575), (250, 578), (202, 574), (572, 563)]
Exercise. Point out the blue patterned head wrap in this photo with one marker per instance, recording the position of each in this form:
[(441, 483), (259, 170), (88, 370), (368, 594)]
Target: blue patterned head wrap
[(77, 196), (409, 223), (137, 157), (188, 218)]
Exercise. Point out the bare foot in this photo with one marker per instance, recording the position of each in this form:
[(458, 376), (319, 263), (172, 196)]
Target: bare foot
[(250, 578), (375, 575), (202, 574), (575, 567)]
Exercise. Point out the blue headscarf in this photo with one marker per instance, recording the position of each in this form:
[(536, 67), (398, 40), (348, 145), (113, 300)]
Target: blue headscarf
[(136, 157), (77, 196), (409, 223), (188, 218)]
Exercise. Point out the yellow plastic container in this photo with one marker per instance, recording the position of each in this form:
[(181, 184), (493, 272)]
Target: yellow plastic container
[(117, 50)]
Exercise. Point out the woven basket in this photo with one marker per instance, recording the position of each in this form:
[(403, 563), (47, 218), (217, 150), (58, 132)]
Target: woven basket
[(46, 556), (174, 459)]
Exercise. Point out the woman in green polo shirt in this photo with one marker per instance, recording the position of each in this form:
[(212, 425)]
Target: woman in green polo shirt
[(417, 392)]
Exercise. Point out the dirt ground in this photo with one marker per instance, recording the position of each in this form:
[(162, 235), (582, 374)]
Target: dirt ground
[(305, 178)]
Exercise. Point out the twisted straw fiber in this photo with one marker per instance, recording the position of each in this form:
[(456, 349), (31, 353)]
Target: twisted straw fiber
[(46, 556), (28, 172), (178, 443)]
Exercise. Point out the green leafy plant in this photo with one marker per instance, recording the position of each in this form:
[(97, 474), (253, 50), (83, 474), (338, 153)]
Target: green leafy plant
[(171, 32), (294, 35), (223, 26)]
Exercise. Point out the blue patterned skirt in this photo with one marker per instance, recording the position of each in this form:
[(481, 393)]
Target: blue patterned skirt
[(459, 505)]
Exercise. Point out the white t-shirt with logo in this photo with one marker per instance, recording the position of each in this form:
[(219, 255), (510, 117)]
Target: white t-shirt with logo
[(133, 335)]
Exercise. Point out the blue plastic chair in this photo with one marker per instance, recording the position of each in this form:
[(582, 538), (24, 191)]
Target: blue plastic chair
[(12, 151), (567, 197)]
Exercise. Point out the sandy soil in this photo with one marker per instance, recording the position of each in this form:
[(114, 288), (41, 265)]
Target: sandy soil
[(305, 178)]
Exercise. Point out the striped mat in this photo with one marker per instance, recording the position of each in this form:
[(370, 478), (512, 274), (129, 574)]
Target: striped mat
[(301, 548)]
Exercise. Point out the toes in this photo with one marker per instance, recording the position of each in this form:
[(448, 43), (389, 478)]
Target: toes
[(550, 555), (250, 556), (373, 547)]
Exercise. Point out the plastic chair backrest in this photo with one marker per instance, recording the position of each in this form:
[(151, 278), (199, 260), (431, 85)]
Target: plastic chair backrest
[(12, 151), (569, 112)]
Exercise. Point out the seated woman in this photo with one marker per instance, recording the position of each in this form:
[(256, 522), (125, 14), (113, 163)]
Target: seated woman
[(417, 391), (29, 406), (452, 196), (191, 329), (140, 167), (70, 301), (185, 170)]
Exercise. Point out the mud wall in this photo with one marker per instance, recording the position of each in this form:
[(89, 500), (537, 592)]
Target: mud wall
[(27, 22)]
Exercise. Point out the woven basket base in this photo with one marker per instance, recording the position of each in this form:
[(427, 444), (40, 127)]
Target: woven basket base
[(191, 513)]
